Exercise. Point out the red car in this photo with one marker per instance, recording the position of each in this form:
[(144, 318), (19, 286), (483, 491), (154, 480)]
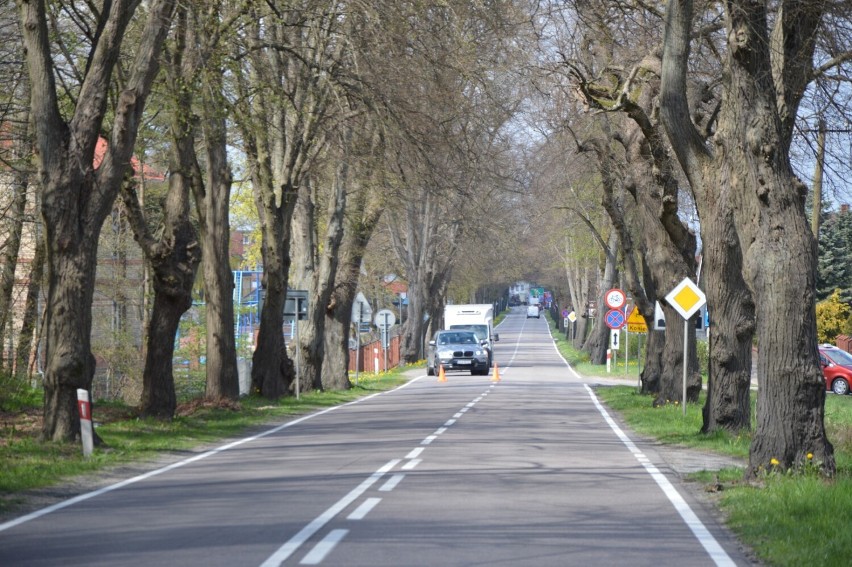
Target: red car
[(837, 368)]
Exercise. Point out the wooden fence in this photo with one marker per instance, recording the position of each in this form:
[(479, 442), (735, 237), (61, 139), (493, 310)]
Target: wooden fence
[(373, 356)]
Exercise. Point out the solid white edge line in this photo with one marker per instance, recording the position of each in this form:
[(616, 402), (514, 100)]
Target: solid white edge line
[(361, 511), (716, 552), (83, 497), (295, 542), (324, 547)]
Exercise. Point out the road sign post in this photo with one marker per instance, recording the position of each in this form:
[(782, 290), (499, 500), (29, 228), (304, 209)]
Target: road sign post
[(296, 306), (362, 314), (385, 319), (687, 299), (572, 317)]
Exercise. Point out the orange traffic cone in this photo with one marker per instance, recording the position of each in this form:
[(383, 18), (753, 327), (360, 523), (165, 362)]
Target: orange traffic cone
[(496, 376), (442, 376)]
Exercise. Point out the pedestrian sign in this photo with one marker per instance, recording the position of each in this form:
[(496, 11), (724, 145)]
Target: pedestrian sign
[(636, 323)]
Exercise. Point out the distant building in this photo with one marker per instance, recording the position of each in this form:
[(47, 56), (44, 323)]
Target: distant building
[(519, 293)]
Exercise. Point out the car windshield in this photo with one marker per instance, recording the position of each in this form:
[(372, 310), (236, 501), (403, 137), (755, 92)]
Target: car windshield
[(481, 331), (456, 338), (838, 356)]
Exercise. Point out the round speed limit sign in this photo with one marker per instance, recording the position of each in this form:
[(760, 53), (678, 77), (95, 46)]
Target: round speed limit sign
[(615, 298)]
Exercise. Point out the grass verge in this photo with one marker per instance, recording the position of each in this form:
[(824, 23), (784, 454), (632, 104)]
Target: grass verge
[(30, 464), (786, 519)]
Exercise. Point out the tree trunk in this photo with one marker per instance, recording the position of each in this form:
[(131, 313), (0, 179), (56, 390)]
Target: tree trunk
[(304, 258), (780, 262), (365, 212), (324, 278), (271, 372), (75, 197), (158, 383), (27, 353), (174, 260), (173, 257), (414, 329), (728, 402), (284, 127), (778, 250), (215, 228), (598, 342), (69, 363), (671, 383), (13, 226), (652, 372)]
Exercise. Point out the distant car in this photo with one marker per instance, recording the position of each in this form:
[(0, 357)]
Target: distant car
[(457, 350), (836, 368), (533, 311)]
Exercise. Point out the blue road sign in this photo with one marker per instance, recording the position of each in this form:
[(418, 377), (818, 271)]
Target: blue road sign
[(614, 319)]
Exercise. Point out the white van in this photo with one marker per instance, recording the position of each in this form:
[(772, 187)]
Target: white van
[(532, 311), (478, 318)]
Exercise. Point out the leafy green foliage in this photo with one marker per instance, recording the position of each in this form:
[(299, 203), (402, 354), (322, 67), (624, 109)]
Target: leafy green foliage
[(834, 267), (833, 318)]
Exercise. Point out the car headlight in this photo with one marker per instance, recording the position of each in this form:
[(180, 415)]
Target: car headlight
[(445, 354), (480, 353)]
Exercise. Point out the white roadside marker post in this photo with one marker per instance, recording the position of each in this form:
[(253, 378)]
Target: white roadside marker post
[(84, 407)]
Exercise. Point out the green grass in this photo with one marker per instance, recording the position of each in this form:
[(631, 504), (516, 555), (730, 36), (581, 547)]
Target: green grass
[(28, 463), (787, 519), (668, 424)]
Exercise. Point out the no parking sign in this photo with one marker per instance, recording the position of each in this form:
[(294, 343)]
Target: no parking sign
[(614, 319)]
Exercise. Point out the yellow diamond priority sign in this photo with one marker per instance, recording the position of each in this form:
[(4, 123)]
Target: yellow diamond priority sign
[(686, 298)]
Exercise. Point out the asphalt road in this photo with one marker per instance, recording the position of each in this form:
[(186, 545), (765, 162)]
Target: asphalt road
[(525, 470)]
